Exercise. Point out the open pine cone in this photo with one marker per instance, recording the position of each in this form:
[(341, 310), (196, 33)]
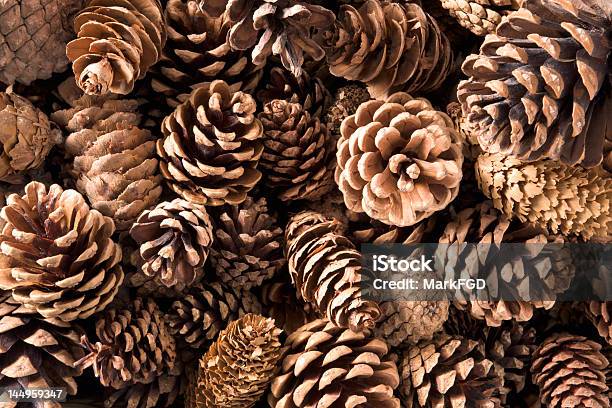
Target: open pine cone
[(480, 16)]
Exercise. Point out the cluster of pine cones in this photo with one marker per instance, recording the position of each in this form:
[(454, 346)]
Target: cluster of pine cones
[(185, 186)]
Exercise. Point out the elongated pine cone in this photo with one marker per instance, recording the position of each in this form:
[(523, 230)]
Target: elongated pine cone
[(390, 46), (333, 367), (399, 160), (570, 371), (404, 322), (211, 146), (279, 301), (248, 245), (564, 199), (175, 238), (117, 42), (298, 158), (238, 368), (541, 87), (600, 314), (480, 16), (59, 259), (26, 135), (326, 270)]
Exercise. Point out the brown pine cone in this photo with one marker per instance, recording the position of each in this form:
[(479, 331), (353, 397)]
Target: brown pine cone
[(541, 87), (238, 368), (298, 158), (26, 135), (280, 302), (59, 259), (351, 370), (389, 46), (326, 270), (600, 314), (399, 160), (346, 101), (248, 244), (570, 371), (480, 16), (404, 322), (211, 146), (174, 240)]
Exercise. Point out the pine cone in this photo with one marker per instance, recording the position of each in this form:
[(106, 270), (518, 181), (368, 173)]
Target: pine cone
[(280, 302), (26, 134), (351, 370), (326, 270), (399, 160), (389, 46), (480, 16), (117, 42), (114, 159), (248, 244), (298, 157), (59, 259), (570, 371), (346, 101), (407, 322), (564, 199), (174, 240), (210, 146), (541, 86), (365, 230), (238, 368), (600, 314)]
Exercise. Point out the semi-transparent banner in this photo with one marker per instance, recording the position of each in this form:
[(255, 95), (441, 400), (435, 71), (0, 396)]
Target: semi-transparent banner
[(531, 272)]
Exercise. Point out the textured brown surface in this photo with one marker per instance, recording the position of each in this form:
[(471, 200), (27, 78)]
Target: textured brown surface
[(407, 322), (346, 101), (480, 16), (600, 314), (279, 301)]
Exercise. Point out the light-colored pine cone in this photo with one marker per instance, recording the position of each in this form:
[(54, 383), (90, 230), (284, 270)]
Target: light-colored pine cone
[(480, 16)]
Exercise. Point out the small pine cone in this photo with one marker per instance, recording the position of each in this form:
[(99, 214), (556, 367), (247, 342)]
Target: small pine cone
[(298, 158), (346, 101), (450, 371), (390, 46), (211, 146), (248, 244), (564, 199), (407, 322), (318, 254), (58, 256), (570, 371), (480, 16), (26, 135), (117, 42), (351, 370), (414, 173), (238, 368), (280, 302), (540, 87), (600, 314)]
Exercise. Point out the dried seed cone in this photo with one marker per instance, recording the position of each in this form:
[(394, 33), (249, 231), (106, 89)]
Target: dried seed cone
[(570, 371), (238, 368), (563, 199), (248, 244), (59, 259), (279, 301), (326, 270), (26, 134), (346, 101), (211, 146), (480, 16), (541, 86), (389, 46), (405, 322), (117, 42), (399, 160), (335, 367), (175, 238), (298, 158), (600, 314)]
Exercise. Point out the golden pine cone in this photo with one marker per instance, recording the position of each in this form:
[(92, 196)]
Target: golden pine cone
[(480, 16)]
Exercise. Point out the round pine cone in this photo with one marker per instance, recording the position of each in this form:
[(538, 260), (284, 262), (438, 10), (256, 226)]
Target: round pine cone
[(600, 314), (399, 160), (298, 158), (541, 87), (58, 258), (279, 301), (346, 101), (351, 370), (480, 16), (211, 146), (248, 244), (174, 240)]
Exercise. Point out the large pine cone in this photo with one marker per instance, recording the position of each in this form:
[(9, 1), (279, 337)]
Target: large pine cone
[(542, 87), (26, 135), (404, 322), (389, 46), (59, 259), (117, 42), (480, 16), (326, 270), (399, 160), (334, 367), (239, 366), (564, 199), (570, 371), (600, 314), (298, 158), (211, 146)]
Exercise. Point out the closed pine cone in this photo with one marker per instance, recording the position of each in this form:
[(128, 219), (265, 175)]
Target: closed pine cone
[(404, 322), (600, 314), (480, 16), (399, 160), (58, 256), (211, 146)]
